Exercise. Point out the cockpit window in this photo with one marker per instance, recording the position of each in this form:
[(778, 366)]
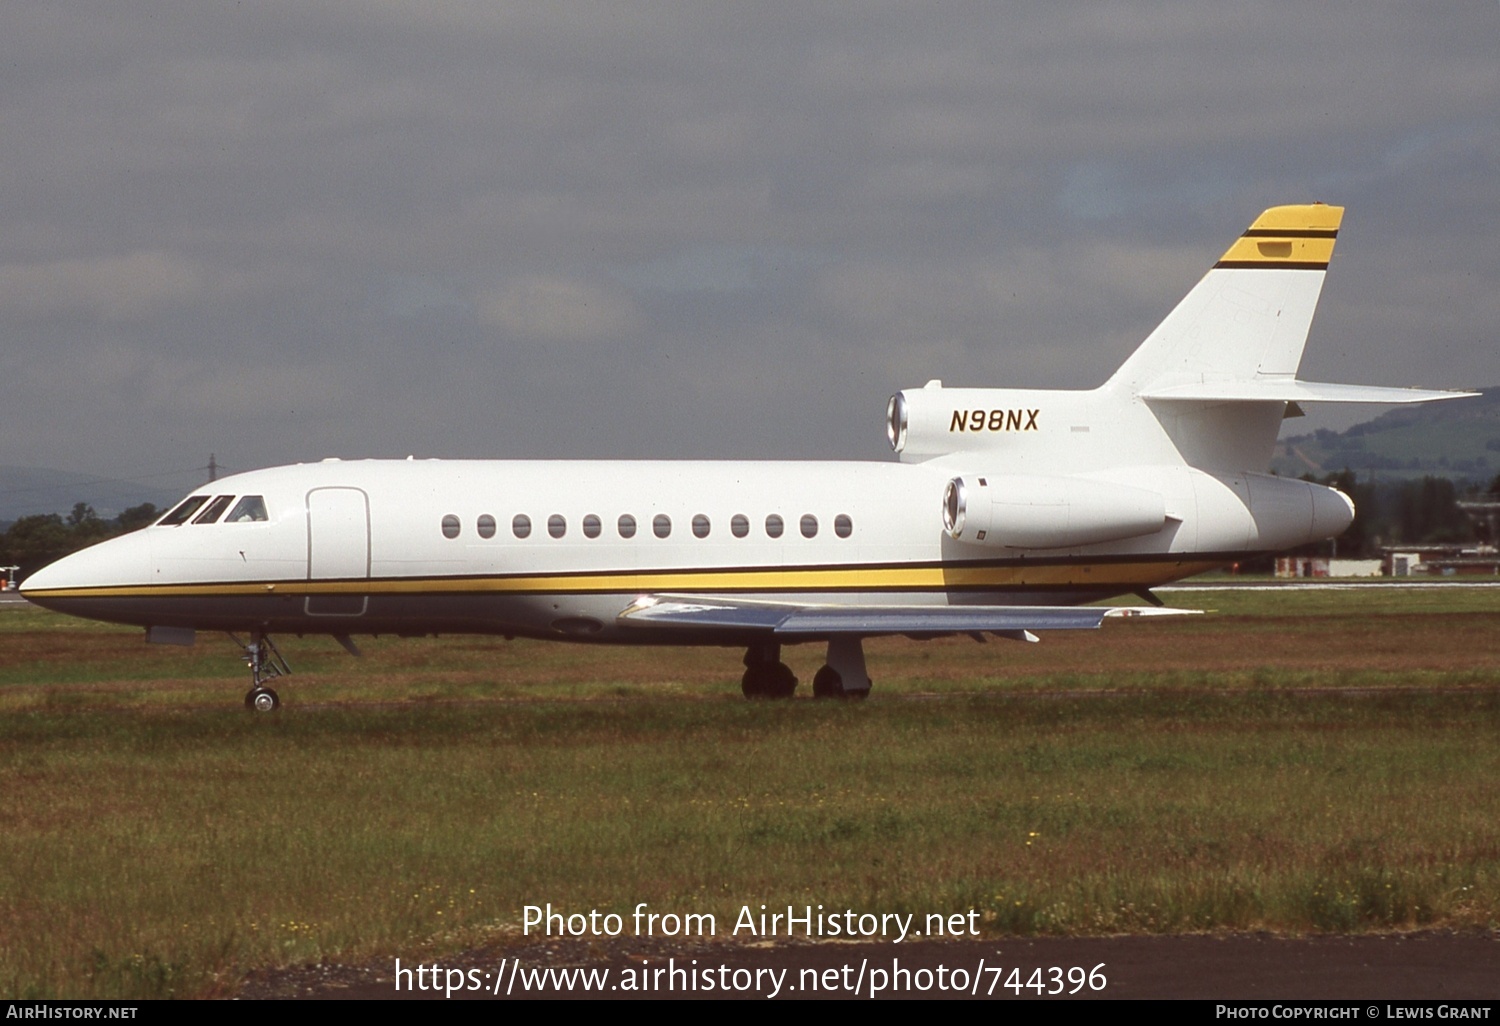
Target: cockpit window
[(181, 514), (215, 510), (249, 508)]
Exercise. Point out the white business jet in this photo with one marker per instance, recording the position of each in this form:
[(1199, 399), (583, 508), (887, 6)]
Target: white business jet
[(1007, 510)]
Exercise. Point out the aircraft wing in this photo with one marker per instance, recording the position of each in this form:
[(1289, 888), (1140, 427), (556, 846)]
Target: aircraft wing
[(714, 611)]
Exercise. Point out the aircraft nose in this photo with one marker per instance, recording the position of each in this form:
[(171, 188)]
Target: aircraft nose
[(119, 562)]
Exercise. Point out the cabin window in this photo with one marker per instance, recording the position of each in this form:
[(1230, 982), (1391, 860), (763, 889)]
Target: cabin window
[(626, 525), (843, 526), (485, 525), (215, 510), (520, 525), (250, 509), (591, 526), (739, 525), (181, 514), (809, 525), (450, 526), (701, 526), (557, 525), (774, 526), (661, 525)]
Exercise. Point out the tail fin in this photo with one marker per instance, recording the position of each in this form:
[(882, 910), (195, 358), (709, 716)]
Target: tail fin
[(1248, 318), (1220, 372)]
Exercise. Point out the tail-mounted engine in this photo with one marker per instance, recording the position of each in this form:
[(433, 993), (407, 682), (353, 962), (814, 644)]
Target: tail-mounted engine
[(934, 421), (1038, 512)]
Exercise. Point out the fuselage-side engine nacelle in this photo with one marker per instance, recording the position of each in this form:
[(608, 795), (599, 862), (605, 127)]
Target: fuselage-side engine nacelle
[(1023, 511)]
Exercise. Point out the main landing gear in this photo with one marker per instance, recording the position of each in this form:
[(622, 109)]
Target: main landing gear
[(766, 676), (265, 663), (843, 676)]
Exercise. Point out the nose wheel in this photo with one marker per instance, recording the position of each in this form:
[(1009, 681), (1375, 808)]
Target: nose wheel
[(262, 699), (265, 663)]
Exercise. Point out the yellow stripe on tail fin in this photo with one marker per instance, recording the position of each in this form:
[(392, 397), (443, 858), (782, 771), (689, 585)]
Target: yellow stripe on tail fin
[(1250, 314), (1244, 322), (1299, 237)]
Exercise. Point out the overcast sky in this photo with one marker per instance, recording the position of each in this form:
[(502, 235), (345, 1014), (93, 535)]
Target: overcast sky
[(280, 231)]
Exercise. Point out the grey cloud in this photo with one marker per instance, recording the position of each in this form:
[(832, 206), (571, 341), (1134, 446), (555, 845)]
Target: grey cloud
[(559, 310), (412, 208), (722, 269), (127, 287)]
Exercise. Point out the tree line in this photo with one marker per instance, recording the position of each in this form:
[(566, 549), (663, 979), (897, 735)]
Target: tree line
[(1417, 511), (33, 542)]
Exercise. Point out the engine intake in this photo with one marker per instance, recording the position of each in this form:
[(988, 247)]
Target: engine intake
[(1018, 511)]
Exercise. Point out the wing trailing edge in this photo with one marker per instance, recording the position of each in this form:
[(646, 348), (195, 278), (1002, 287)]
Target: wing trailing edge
[(1291, 390)]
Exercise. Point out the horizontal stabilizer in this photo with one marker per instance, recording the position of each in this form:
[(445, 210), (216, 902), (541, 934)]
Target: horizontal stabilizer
[(1256, 390), (700, 611)]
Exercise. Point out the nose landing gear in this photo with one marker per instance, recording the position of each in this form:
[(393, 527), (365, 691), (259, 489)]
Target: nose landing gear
[(265, 663), (262, 699)]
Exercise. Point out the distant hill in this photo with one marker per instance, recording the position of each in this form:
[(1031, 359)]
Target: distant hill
[(1455, 438), (25, 491)]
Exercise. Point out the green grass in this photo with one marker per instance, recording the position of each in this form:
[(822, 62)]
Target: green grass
[(1198, 774)]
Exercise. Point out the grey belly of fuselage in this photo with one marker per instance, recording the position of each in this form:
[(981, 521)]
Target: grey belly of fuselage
[(563, 616)]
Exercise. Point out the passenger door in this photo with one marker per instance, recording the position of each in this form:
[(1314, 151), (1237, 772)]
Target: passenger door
[(338, 550)]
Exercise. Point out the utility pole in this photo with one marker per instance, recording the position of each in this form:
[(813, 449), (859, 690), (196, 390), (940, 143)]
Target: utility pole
[(213, 468)]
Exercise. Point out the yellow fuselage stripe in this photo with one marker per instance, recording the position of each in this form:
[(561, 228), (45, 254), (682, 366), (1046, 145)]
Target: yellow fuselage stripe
[(1142, 574)]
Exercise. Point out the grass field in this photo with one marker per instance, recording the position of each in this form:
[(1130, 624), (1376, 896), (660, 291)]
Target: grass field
[(1295, 762)]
